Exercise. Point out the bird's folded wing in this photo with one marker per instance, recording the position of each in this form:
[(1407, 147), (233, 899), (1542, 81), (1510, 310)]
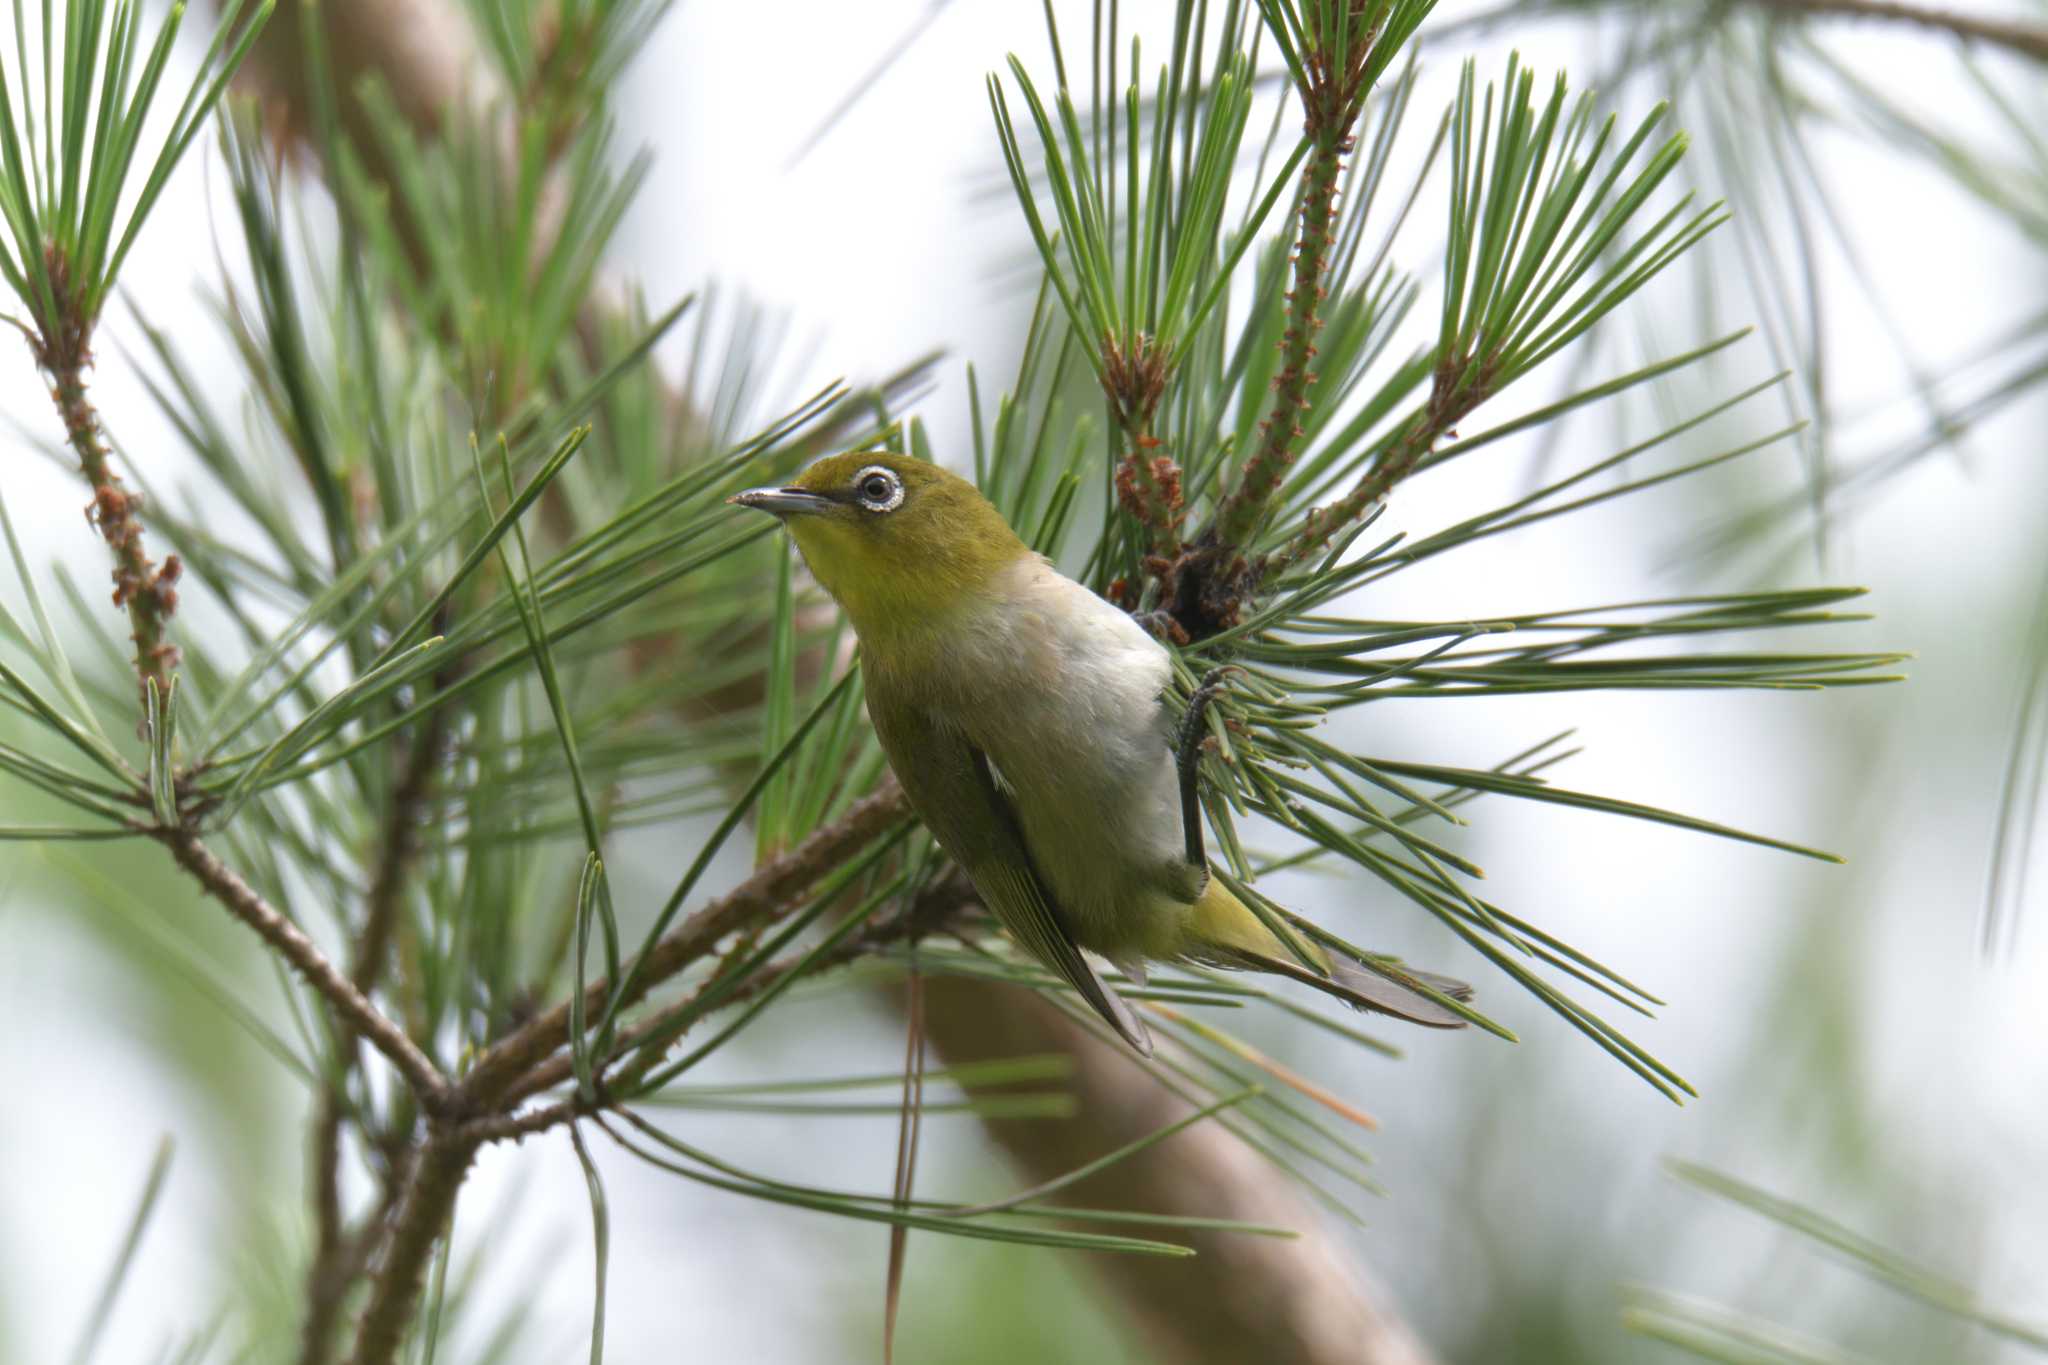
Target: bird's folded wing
[(950, 783)]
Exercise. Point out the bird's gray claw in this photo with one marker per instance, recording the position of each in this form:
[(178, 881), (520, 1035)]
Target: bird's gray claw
[(1188, 757)]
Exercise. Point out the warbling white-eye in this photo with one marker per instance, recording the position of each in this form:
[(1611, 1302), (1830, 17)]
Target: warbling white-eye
[(1027, 721)]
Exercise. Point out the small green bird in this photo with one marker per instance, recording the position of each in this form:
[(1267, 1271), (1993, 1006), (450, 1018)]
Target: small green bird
[(1027, 721)]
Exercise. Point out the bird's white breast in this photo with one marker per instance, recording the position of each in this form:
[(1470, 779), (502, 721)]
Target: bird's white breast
[(1065, 699)]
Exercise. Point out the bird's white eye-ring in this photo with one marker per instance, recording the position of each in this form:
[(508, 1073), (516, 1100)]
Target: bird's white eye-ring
[(878, 489)]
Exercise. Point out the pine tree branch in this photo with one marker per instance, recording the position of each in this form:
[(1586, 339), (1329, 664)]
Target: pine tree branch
[(326, 1280), (327, 1292), (397, 846), (1237, 520), (313, 966), (2014, 35), (774, 889), (1212, 584), (423, 1217), (1240, 1298), (941, 900), (1458, 388), (64, 353), (335, 1265)]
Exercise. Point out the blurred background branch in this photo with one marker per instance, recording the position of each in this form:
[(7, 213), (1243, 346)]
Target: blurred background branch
[(1257, 1298), (2029, 40)]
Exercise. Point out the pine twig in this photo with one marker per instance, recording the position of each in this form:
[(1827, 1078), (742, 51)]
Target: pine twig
[(1457, 390), (328, 1284), (2014, 35), (64, 352), (354, 1009), (396, 848), (1333, 83), (327, 1278), (1333, 96), (1237, 520), (775, 884), (939, 901)]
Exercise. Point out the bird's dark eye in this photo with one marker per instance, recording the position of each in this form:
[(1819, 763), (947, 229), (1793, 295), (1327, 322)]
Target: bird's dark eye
[(879, 490)]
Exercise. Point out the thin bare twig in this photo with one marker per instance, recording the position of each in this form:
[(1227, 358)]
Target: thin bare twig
[(2014, 35), (245, 904)]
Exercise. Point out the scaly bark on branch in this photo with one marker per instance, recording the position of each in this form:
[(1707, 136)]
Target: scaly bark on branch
[(1219, 575), (1238, 518)]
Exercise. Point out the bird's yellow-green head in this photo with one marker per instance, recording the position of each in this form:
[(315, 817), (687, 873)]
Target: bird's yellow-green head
[(900, 543)]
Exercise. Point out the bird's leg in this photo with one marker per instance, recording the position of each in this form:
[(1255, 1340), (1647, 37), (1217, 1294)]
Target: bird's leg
[(1188, 754)]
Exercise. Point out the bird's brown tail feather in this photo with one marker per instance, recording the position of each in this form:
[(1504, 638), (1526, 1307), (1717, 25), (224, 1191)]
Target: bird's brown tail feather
[(1379, 987)]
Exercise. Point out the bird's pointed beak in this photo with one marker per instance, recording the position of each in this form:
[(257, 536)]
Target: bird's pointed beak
[(781, 501)]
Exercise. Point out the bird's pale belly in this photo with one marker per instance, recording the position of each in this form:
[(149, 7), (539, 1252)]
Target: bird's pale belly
[(1100, 809), (1066, 702)]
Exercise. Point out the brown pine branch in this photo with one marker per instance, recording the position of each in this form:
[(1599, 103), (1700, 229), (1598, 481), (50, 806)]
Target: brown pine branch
[(1240, 1298), (1458, 387), (435, 1181), (397, 845), (940, 901), (773, 889), (63, 351), (423, 1216), (558, 1069), (2014, 35), (328, 1278), (336, 1272), (312, 965), (334, 1266)]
